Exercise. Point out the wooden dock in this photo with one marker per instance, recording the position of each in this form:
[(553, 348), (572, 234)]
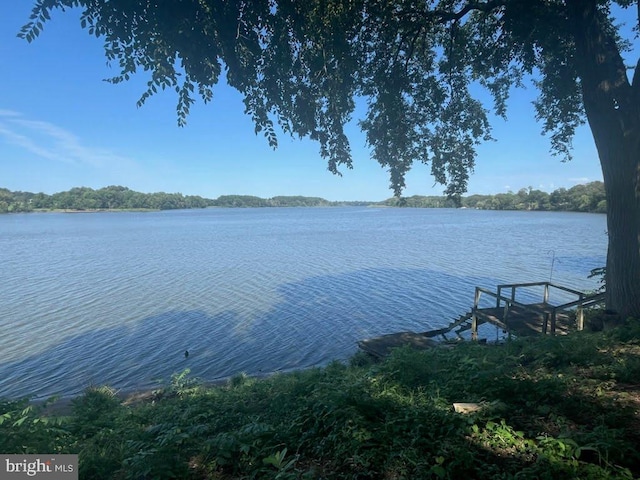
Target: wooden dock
[(504, 312)]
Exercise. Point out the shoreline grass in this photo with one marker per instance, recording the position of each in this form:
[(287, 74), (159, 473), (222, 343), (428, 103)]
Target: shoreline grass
[(552, 407)]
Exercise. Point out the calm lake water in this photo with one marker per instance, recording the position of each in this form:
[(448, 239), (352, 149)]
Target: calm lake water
[(117, 298)]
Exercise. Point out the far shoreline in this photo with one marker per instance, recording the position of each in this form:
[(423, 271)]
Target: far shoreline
[(587, 198)]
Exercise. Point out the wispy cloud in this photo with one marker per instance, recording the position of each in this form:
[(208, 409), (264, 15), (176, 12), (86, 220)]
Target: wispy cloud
[(51, 142), (8, 113)]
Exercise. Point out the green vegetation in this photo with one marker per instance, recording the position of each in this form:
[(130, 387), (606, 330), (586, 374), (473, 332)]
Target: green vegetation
[(581, 198), (15, 201), (554, 408), (122, 198), (108, 198), (281, 201)]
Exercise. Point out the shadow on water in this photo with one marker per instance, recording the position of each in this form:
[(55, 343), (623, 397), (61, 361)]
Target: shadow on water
[(315, 321)]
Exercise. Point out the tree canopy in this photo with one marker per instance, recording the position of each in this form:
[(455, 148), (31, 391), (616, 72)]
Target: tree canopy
[(418, 66), (303, 64)]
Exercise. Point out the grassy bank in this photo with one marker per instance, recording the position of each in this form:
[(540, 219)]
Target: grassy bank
[(552, 408)]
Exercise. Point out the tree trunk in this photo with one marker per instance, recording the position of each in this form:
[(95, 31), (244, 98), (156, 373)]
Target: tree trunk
[(620, 160), (612, 105)]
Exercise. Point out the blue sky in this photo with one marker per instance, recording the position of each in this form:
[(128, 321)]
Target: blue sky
[(62, 126)]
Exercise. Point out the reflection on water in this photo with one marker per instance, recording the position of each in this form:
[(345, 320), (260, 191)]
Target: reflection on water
[(117, 298)]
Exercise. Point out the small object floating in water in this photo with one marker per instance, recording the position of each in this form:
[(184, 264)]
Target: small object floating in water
[(186, 354)]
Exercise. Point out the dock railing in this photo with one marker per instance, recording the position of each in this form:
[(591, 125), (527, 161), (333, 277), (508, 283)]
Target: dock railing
[(548, 310), (509, 303)]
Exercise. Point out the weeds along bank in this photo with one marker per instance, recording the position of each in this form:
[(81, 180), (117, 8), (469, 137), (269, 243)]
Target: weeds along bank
[(553, 408)]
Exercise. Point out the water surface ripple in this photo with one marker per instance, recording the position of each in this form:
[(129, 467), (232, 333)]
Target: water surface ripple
[(116, 298)]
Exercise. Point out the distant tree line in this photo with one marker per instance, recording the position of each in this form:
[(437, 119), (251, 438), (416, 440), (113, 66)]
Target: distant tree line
[(122, 198), (281, 201), (232, 201), (581, 198), (108, 198)]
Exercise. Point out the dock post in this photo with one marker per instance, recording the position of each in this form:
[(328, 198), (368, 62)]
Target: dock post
[(474, 326), (505, 316), (580, 318), (580, 314)]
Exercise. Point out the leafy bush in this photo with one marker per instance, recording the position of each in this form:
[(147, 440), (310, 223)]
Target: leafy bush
[(563, 407)]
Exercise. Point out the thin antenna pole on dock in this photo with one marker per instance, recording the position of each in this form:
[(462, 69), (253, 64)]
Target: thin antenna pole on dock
[(553, 261)]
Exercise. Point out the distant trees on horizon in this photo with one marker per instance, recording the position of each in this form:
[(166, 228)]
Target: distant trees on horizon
[(589, 197)]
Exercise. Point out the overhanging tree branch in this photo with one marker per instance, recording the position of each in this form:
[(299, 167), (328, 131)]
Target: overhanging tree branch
[(443, 16)]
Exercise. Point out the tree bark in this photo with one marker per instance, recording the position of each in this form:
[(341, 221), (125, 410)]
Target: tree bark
[(612, 105)]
